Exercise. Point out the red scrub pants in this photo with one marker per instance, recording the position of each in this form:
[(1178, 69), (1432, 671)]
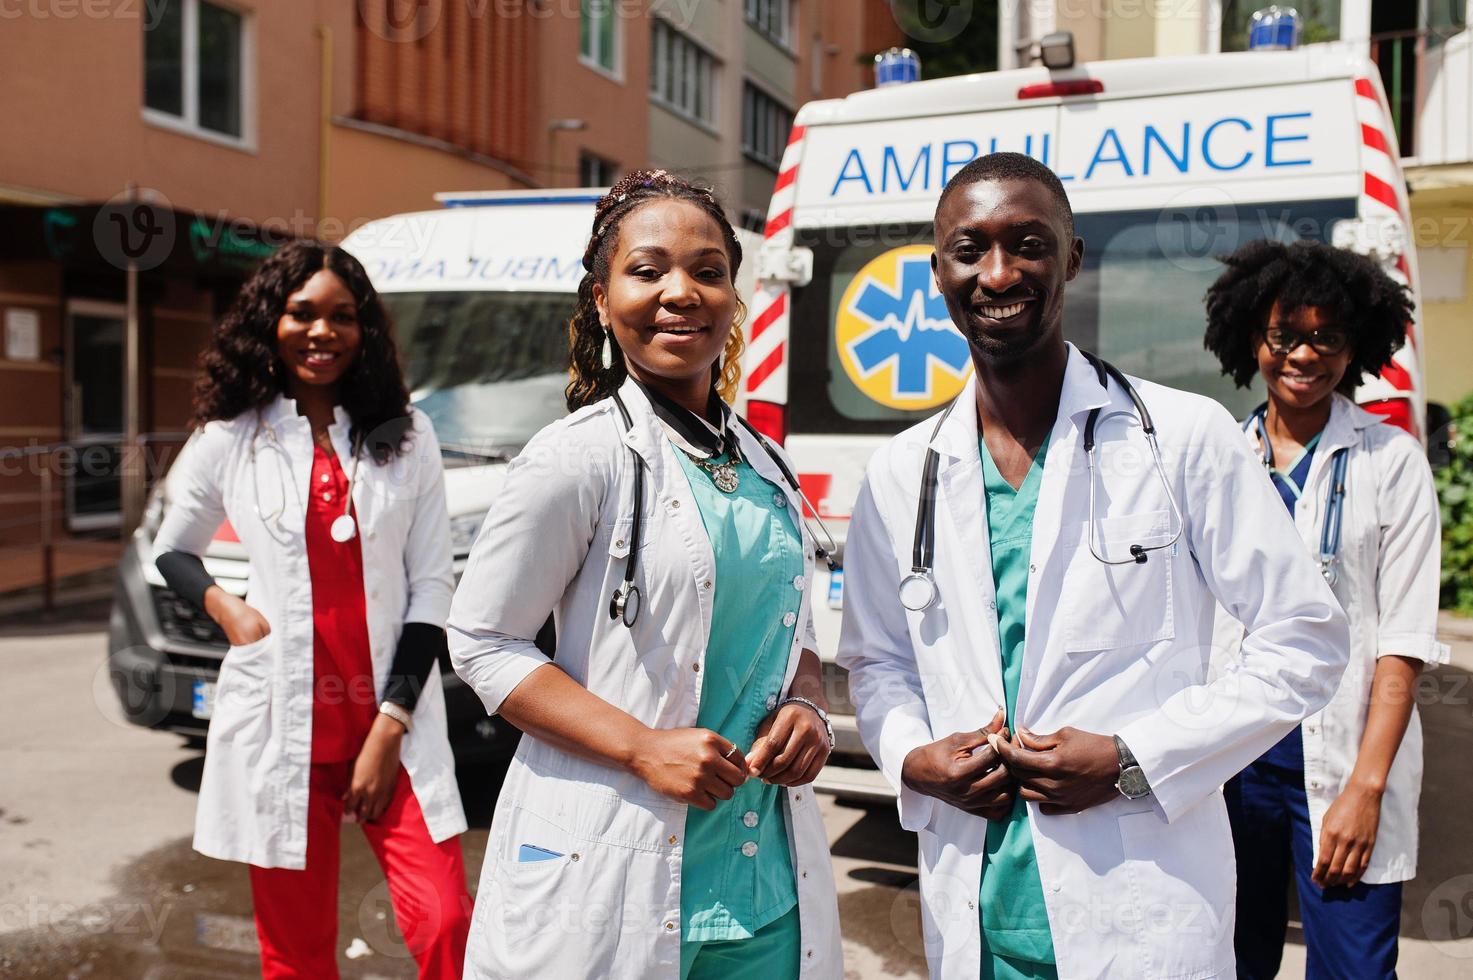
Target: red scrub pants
[(297, 911)]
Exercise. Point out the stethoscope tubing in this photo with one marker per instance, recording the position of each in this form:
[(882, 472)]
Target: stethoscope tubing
[(1330, 527), (344, 527), (918, 590)]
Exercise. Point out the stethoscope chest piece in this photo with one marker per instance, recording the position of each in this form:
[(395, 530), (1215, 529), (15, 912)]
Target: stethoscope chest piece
[(343, 529), (624, 606), (918, 590)]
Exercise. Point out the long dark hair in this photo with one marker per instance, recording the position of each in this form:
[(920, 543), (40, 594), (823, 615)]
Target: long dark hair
[(589, 381), (240, 371)]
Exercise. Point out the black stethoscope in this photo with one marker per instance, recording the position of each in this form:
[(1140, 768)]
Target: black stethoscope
[(918, 589), (1334, 500), (626, 601)]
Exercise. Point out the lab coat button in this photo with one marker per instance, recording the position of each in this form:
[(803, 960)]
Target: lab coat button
[(799, 583), (1314, 784), (674, 503), (749, 849), (789, 620), (674, 839), (992, 604), (696, 667), (706, 585), (1033, 568), (669, 927), (749, 818), (619, 543)]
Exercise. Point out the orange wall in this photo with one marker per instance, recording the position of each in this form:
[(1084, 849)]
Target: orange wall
[(616, 112), (72, 109)]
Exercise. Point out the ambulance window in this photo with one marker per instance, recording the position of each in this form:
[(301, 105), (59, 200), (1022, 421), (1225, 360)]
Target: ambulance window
[(487, 367), (1138, 300)]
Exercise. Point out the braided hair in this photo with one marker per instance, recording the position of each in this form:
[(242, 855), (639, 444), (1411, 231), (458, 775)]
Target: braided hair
[(589, 380), (1351, 290)]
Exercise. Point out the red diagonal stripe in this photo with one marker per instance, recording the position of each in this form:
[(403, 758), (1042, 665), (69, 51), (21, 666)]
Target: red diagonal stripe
[(1374, 138), (778, 222), (785, 179), (765, 319), (1363, 87), (796, 134), (763, 371), (1397, 376), (1376, 189)]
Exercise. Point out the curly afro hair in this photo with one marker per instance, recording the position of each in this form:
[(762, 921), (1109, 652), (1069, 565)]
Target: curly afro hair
[(240, 372), (1349, 289)]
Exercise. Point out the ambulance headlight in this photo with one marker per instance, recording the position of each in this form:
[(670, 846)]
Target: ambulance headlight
[(1056, 50)]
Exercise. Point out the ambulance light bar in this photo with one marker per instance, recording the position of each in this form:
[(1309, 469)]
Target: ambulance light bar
[(1054, 90)]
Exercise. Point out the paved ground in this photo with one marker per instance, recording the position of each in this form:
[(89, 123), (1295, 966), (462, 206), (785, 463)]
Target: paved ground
[(99, 879)]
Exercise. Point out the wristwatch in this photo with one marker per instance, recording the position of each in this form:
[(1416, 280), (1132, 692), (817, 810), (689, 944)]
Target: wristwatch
[(1132, 782), (822, 715)]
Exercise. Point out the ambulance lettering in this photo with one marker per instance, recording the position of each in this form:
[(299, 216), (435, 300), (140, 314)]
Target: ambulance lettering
[(1114, 154), (895, 340)]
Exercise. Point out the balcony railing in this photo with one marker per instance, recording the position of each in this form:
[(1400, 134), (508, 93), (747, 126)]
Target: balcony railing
[(1427, 75)]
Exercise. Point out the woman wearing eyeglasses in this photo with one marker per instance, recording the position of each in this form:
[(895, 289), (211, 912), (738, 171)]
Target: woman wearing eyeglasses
[(1334, 804), (657, 820), (329, 705)]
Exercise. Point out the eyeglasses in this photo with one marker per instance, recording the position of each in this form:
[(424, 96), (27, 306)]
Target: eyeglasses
[(1327, 341)]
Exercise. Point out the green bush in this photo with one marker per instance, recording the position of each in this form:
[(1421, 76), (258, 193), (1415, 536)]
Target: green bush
[(1455, 491)]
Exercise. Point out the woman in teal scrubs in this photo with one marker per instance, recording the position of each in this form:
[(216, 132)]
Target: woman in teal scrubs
[(728, 720)]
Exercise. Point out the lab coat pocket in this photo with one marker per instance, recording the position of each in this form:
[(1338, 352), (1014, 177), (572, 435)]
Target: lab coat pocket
[(1108, 606), (243, 690)]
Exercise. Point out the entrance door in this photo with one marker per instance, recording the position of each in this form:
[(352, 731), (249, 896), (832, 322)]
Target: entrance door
[(94, 413)]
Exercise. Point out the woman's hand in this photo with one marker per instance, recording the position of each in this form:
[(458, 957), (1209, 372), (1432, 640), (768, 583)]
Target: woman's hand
[(375, 771), (691, 765), (241, 622), (792, 745), (1347, 837)]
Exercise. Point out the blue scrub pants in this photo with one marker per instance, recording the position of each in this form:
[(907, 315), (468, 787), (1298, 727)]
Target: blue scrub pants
[(1349, 933)]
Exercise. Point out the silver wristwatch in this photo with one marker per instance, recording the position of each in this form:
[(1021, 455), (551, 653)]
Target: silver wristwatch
[(822, 714), (1132, 782)]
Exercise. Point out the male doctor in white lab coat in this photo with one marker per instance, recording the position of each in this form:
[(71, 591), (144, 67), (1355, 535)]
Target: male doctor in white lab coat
[(1049, 720)]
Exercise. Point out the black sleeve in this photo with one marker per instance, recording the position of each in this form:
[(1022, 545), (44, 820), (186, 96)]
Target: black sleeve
[(420, 645), (185, 574)]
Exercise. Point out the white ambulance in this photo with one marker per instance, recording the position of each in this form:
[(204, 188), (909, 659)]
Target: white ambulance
[(1168, 163)]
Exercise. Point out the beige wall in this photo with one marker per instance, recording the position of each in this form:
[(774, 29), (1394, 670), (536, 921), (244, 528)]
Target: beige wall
[(1444, 218)]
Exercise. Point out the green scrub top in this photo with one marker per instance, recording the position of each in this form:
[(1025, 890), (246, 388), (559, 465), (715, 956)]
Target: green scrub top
[(1016, 942), (736, 873)]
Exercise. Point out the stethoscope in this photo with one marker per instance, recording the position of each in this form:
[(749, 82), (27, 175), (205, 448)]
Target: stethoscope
[(344, 527), (918, 589), (1334, 502), (626, 600)]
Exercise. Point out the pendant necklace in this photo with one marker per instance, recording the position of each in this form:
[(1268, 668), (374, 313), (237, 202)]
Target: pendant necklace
[(723, 474)]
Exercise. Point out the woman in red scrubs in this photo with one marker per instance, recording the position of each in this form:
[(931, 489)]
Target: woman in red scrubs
[(329, 706)]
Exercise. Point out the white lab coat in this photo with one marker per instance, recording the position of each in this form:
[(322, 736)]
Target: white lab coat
[(1387, 583), (258, 753), (1133, 889), (556, 541)]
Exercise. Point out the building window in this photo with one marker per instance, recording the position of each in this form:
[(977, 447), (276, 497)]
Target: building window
[(773, 18), (598, 35), (194, 56), (765, 126), (682, 74), (595, 171)]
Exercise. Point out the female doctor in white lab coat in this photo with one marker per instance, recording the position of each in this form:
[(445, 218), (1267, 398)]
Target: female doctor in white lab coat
[(329, 704), (1334, 804), (657, 820)]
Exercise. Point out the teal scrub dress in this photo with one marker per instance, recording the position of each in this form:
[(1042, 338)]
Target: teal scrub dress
[(739, 896), (1016, 941)]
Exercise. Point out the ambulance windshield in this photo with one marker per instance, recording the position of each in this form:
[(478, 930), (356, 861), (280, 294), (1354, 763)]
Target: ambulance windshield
[(872, 346), (488, 367)]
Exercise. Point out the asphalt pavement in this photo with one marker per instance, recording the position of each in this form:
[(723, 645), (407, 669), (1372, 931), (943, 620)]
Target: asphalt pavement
[(100, 881)]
